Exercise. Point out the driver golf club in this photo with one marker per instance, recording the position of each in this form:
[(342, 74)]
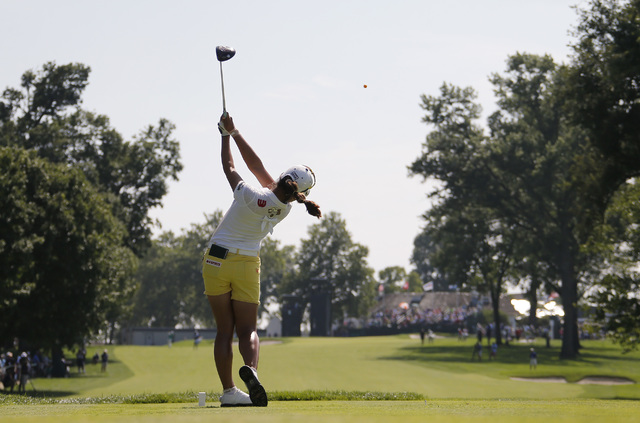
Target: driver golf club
[(223, 54)]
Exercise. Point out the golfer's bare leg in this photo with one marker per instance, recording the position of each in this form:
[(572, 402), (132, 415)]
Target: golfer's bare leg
[(246, 316), (222, 349)]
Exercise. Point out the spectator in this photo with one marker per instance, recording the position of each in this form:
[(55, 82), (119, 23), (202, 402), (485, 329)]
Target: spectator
[(80, 359), (477, 351), (105, 360), (96, 358), (547, 337), (36, 365), (46, 366), (533, 359), (23, 372), (494, 351), (197, 338), (422, 336), (9, 372)]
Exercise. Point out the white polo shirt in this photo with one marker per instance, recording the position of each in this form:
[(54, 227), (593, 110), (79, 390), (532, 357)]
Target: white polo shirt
[(251, 217)]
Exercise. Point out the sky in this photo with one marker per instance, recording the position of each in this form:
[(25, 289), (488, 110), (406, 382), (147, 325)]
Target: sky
[(295, 89)]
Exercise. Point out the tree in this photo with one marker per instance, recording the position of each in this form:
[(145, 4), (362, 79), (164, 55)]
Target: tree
[(392, 278), (330, 262), (424, 249), (529, 172), (62, 259), (604, 88), (472, 247), (118, 184), (275, 264), (619, 309), (415, 283), (615, 296), (45, 116), (603, 85)]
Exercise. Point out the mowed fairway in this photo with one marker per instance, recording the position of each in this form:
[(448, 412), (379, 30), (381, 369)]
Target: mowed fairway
[(454, 388)]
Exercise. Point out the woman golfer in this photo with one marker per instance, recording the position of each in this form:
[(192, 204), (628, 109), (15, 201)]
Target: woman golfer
[(231, 265)]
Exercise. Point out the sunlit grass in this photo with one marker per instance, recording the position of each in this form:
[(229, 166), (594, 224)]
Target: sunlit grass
[(371, 364)]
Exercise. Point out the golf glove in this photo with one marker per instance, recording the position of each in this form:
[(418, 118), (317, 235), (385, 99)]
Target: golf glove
[(222, 129)]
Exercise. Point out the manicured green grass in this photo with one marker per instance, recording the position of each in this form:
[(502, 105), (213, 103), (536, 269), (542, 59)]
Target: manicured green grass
[(312, 378), (456, 411), (379, 364)]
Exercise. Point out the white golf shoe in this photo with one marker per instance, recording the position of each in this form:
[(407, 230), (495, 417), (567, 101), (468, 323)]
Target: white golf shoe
[(234, 397)]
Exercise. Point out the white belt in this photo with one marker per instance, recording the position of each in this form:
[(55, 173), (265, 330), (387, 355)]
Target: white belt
[(253, 253)]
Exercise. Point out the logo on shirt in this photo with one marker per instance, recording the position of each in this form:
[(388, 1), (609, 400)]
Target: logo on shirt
[(273, 212), (262, 203)]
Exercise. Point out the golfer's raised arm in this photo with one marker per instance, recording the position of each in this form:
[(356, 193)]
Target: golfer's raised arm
[(252, 160), (228, 165), (248, 155)]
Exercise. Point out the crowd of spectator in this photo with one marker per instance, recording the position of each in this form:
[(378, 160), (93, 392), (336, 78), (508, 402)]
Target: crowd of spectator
[(18, 368), (402, 317), (463, 320)]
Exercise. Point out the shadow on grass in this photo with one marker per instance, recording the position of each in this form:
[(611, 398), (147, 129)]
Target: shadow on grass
[(512, 354), (626, 399), (588, 355), (86, 376), (463, 353), (39, 393)]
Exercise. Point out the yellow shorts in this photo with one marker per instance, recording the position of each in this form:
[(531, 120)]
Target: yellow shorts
[(237, 274)]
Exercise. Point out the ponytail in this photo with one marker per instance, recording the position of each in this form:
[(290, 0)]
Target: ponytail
[(290, 188), (312, 208)]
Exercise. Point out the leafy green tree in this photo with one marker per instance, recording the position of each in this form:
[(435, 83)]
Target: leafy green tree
[(396, 279), (619, 308), (275, 264), (415, 283), (63, 262), (392, 278), (424, 250), (473, 248), (330, 262), (603, 86), (45, 116), (615, 296), (529, 172), (540, 186)]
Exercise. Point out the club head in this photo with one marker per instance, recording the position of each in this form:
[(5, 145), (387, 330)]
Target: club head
[(225, 53)]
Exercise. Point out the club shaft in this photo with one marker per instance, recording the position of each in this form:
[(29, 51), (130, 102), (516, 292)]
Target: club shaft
[(224, 102)]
